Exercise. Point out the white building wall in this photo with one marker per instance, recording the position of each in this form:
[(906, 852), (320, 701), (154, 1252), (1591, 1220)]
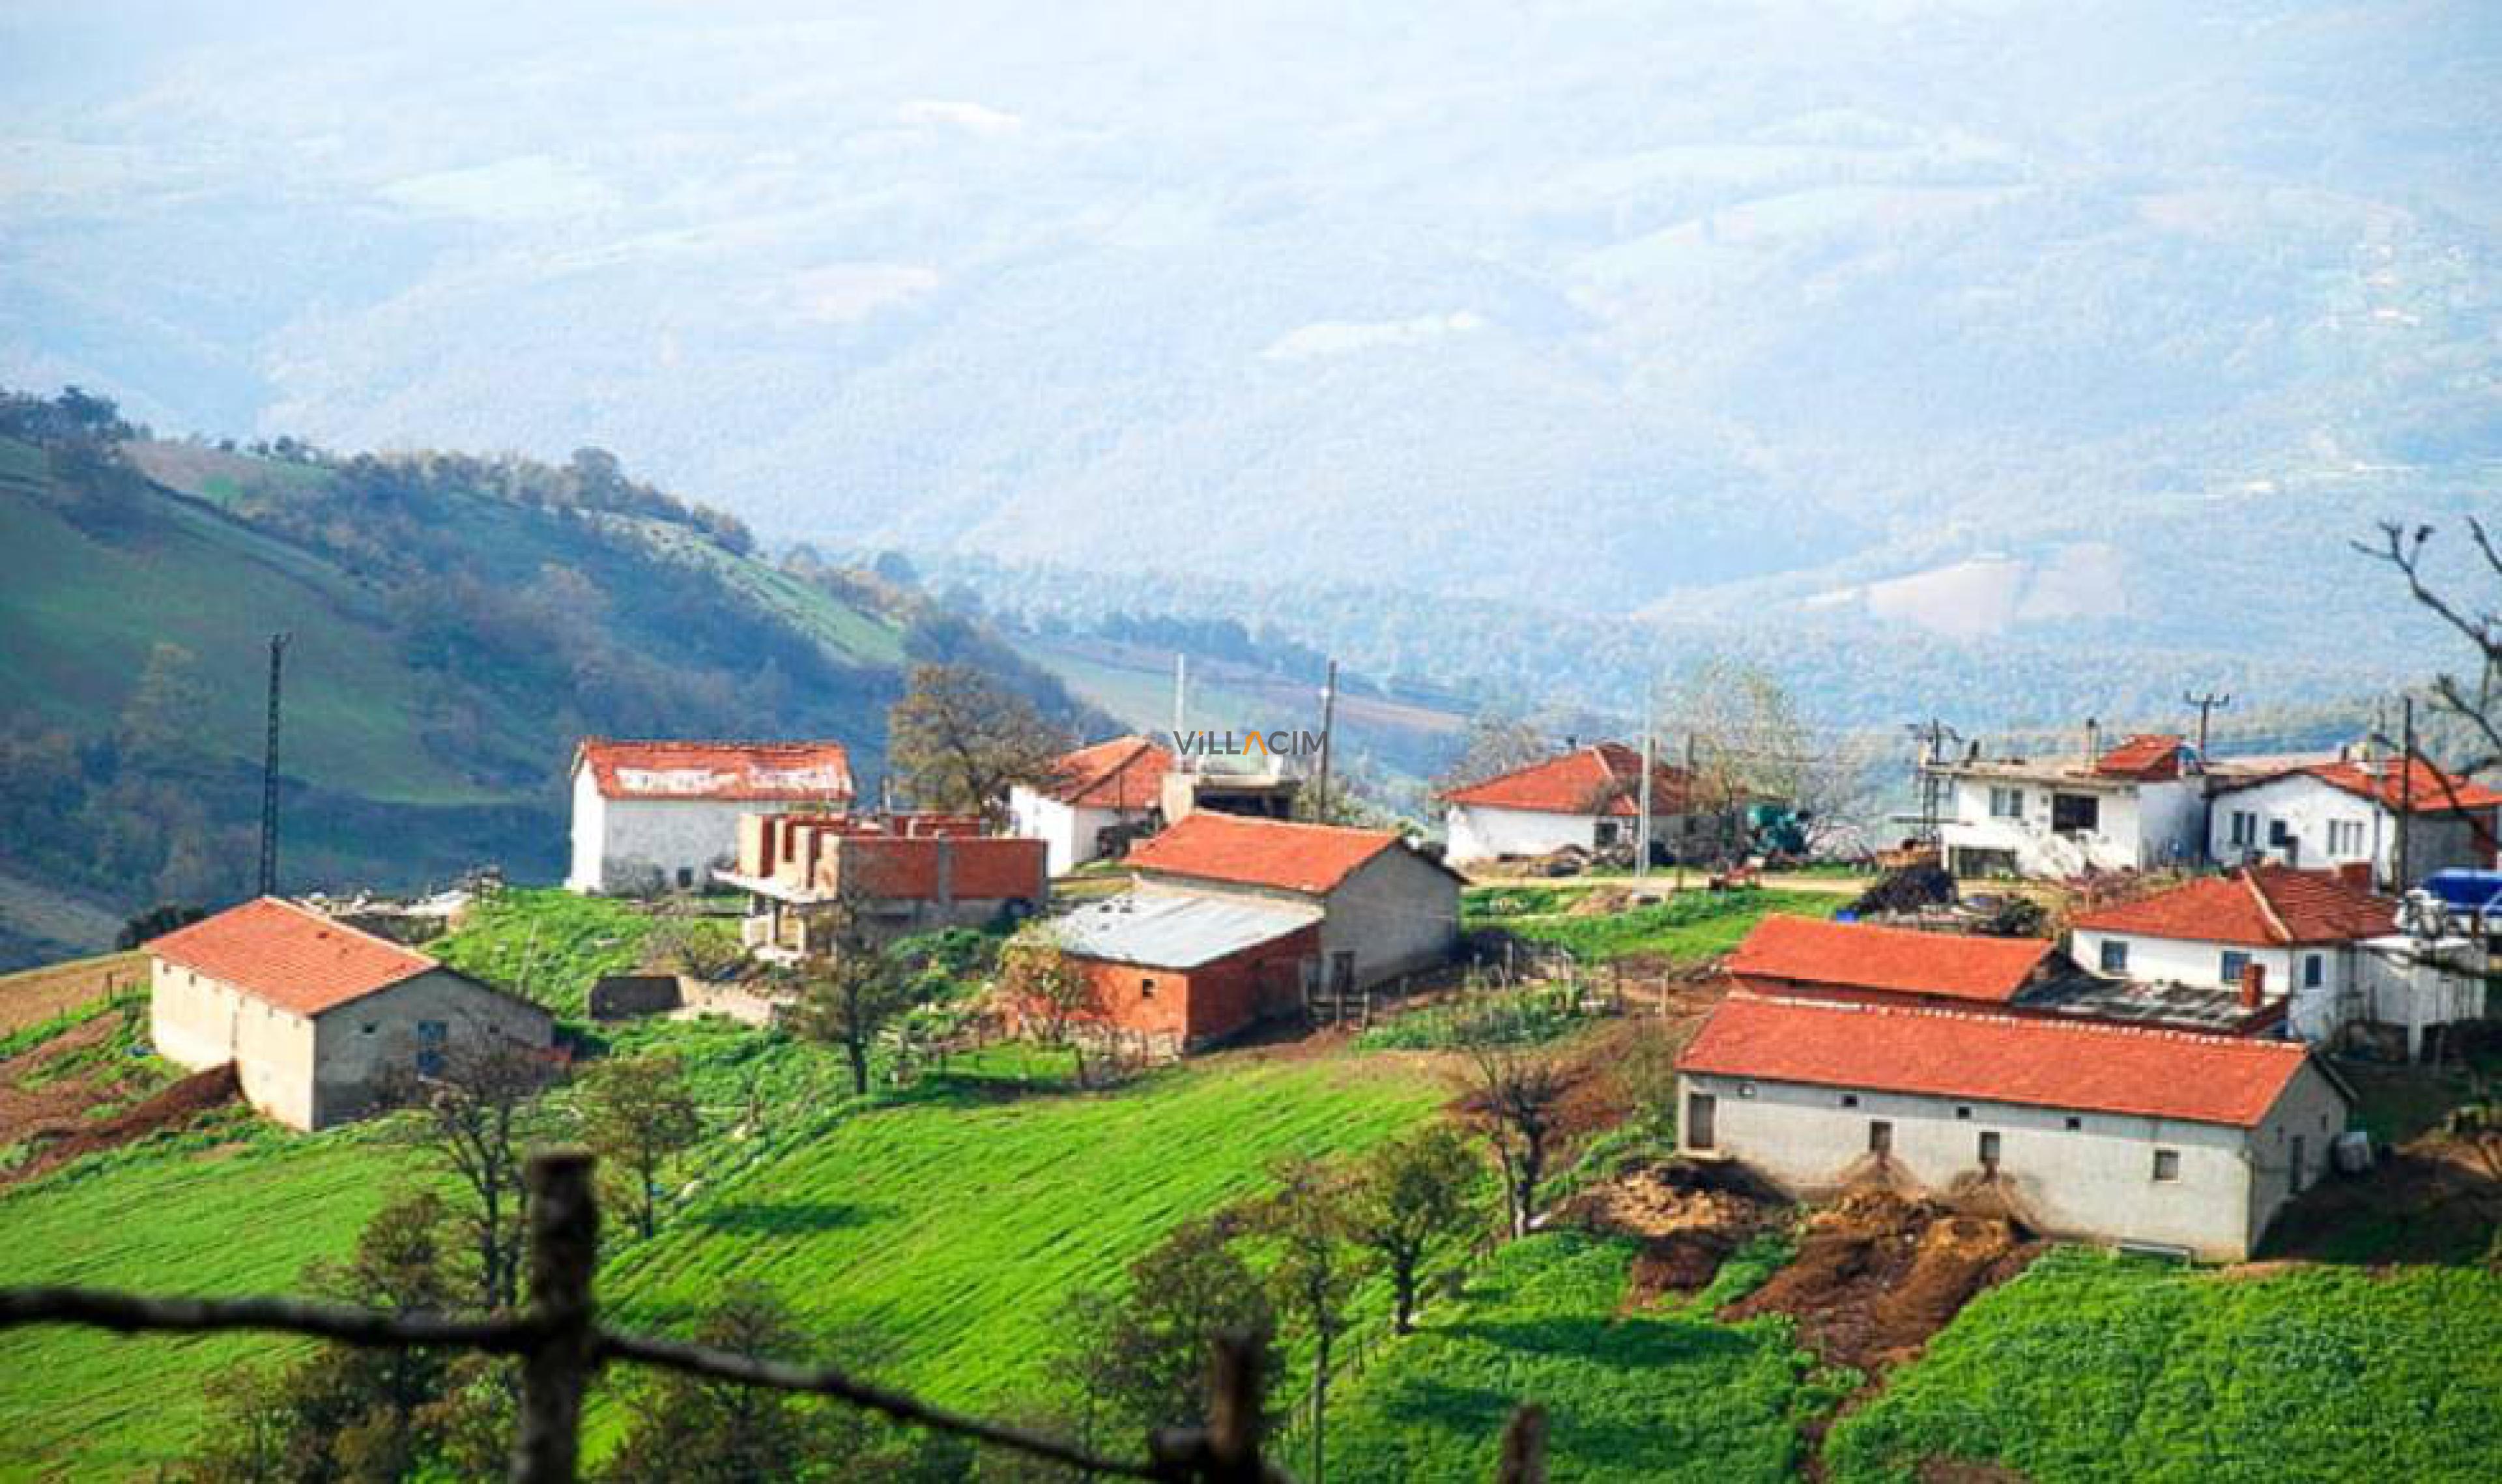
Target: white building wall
[(1071, 835), (2096, 1180), (2306, 807), (1483, 832), (1398, 914), (357, 1045), (2317, 1012), (2140, 825), (197, 1022), (636, 844)]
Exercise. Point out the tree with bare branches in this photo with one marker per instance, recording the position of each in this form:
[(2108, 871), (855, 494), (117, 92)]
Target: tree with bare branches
[(959, 739), (2476, 705), (1516, 1097), (479, 1113)]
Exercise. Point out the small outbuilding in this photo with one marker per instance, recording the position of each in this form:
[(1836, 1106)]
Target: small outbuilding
[(2152, 1137), (1386, 909), (1183, 972), (316, 1016), (1096, 799), (1588, 799)]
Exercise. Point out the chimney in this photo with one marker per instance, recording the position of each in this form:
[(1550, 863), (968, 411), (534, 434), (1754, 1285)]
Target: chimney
[(2254, 985), (2357, 874)]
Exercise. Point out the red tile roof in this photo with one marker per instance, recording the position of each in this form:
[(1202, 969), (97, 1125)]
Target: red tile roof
[(2432, 791), (1124, 773), (291, 957), (2086, 1068), (2262, 906), (769, 772), (2150, 759), (1603, 778), (1266, 853), (1858, 955)]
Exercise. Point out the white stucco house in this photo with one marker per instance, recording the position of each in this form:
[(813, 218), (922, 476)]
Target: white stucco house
[(1588, 798), (2327, 948), (2348, 812), (649, 816), (1385, 909), (2139, 805), (1094, 796), (2148, 1137), (315, 1015)]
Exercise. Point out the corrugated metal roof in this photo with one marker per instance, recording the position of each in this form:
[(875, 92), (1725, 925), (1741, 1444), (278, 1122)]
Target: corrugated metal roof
[(1171, 930)]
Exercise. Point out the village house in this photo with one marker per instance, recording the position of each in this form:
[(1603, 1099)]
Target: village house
[(2342, 812), (1810, 958), (899, 873), (316, 1016), (647, 815), (2139, 805), (1587, 800), (1181, 971), (2322, 944), (1096, 800), (2156, 1138), (1386, 910)]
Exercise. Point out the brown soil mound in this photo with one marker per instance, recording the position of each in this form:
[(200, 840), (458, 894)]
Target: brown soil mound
[(29, 1101), (1878, 1273), (1688, 1217), (169, 1107)]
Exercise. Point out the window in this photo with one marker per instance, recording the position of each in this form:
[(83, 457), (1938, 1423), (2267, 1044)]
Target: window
[(686, 876), (2245, 827), (430, 1038), (2006, 803), (1699, 1110), (1850, 1099), (1609, 831), (2315, 970), (2075, 813), (2115, 956), (1880, 1137), (1989, 1151), (1146, 987), (1962, 1112), (2345, 838), (2280, 834), (2300, 1162), (2232, 967), (2167, 1165), (2075, 1123)]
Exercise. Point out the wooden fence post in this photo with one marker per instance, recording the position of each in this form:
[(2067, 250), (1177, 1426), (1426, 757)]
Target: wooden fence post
[(1233, 1413), (564, 1250)]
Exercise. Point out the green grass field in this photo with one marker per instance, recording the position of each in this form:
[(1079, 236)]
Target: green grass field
[(948, 1224), (1686, 928), (2091, 1367), (1647, 1395), (552, 945)]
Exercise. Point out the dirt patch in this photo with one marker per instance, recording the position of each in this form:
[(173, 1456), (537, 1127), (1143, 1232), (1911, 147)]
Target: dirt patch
[(1688, 1218), (167, 1108), (35, 1091), (37, 995), (1957, 1471), (2435, 1199), (1879, 1271)]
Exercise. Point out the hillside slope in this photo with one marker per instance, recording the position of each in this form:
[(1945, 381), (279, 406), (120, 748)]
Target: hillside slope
[(456, 625)]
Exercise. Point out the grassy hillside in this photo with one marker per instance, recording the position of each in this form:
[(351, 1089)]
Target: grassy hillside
[(1631, 1395), (2090, 1368), (944, 1228), (457, 624)]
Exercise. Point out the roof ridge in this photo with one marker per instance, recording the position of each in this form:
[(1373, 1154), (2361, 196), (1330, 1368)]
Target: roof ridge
[(2033, 1023), (2276, 922)]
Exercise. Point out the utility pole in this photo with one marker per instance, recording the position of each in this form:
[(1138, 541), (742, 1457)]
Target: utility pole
[(1329, 719), (1649, 765), (1685, 816), (2210, 701), (1181, 692), (269, 772), (2406, 795), (1933, 737)]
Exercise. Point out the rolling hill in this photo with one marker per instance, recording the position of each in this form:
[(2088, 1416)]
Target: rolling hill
[(456, 625)]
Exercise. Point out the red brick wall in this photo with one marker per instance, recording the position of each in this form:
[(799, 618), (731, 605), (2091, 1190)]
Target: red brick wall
[(1206, 1003)]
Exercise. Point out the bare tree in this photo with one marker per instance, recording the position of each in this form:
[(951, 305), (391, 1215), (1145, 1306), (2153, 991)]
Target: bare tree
[(2478, 706), (1497, 742), (959, 739), (1516, 1097), (478, 1114)]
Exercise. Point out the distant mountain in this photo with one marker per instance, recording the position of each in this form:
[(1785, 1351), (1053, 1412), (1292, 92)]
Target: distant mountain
[(457, 623), (1957, 320)]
